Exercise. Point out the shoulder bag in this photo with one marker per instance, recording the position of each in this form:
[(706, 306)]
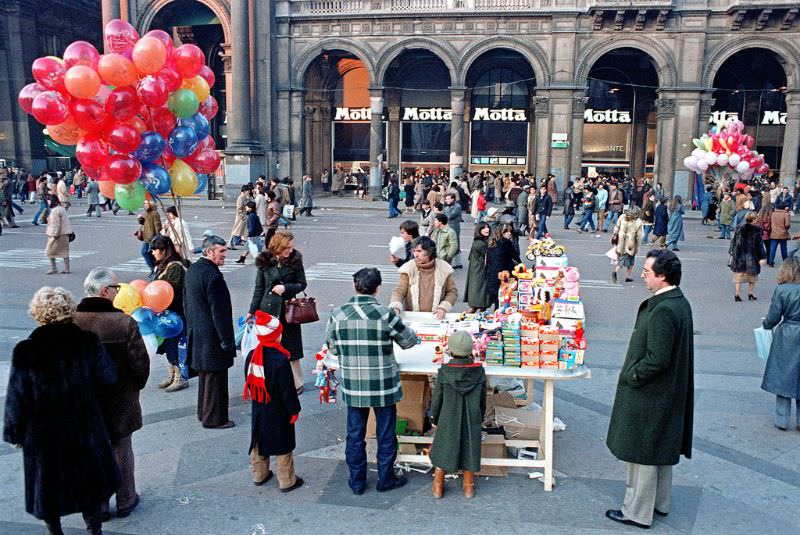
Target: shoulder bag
[(301, 310)]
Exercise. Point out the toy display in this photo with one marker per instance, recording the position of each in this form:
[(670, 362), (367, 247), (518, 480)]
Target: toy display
[(325, 370)]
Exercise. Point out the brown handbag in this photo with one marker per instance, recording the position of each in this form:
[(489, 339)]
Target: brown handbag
[(301, 310)]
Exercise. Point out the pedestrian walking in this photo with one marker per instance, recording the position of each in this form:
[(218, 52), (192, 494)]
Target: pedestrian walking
[(628, 232), (475, 292), (747, 256), (307, 198), (370, 378), (63, 192), (177, 230), (569, 205), (452, 209), (43, 196), (150, 229), (602, 204), (615, 203), (393, 196), (52, 412), (589, 203), (726, 212), (408, 193), (254, 232), (239, 230), (409, 231), (119, 405), (705, 205), (542, 207), (325, 180), (337, 184), (445, 238), (782, 373), (500, 256), (93, 197), (648, 216), (779, 233), (59, 234), (675, 223), (652, 417), (210, 340), (279, 278)]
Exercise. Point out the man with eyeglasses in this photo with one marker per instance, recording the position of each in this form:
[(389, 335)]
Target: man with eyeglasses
[(119, 334), (651, 422)]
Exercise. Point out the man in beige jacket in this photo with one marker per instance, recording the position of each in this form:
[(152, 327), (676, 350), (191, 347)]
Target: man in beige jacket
[(426, 284)]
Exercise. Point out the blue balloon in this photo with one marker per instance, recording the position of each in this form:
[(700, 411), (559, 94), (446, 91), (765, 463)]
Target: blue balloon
[(169, 324), (150, 148), (155, 179), (146, 319), (198, 123), (202, 182), (182, 141)]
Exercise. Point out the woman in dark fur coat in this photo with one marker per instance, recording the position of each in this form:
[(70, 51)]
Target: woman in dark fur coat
[(748, 254), (52, 412)]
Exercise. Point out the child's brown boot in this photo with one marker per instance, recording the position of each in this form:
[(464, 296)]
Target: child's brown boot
[(438, 483), (469, 484)]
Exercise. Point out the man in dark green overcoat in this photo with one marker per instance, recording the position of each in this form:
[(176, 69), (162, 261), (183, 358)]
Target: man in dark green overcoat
[(651, 422)]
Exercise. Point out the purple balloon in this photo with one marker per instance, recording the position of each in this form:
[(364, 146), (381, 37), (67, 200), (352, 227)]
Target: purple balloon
[(182, 141)]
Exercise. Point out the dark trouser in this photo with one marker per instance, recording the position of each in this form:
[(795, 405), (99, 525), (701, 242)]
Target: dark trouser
[(123, 454), (356, 450), (93, 519), (587, 220), (542, 227), (93, 208), (147, 255), (268, 237), (212, 398), (773, 248), (43, 209), (568, 219)]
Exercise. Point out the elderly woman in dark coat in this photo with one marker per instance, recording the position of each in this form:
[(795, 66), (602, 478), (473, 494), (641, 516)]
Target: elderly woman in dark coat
[(475, 295), (52, 412), (747, 256), (500, 256), (782, 374), (281, 277)]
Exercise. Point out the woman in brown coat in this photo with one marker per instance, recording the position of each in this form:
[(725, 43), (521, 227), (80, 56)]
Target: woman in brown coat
[(58, 233), (781, 221)]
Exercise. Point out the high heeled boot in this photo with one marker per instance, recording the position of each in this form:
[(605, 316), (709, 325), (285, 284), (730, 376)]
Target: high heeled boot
[(438, 483), (170, 377), (66, 266), (469, 484)]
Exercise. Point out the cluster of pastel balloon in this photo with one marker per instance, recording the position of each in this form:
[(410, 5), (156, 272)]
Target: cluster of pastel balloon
[(726, 149), (147, 303), (138, 115)]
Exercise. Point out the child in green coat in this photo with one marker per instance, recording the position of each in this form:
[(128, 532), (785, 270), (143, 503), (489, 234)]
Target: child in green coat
[(459, 402)]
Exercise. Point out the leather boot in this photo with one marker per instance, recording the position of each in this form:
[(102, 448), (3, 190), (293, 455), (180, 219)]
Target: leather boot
[(66, 266), (53, 268), (438, 483), (469, 484), (179, 383), (170, 377)]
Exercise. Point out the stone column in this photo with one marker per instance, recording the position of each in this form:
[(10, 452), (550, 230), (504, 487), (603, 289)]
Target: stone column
[(561, 110), (111, 10), (376, 143), (457, 131), (638, 156), (393, 135), (312, 132), (576, 136), (791, 139), (296, 137), (665, 144), (542, 118)]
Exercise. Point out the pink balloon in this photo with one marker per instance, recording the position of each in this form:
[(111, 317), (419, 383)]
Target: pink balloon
[(27, 94), (119, 36), (208, 75), (171, 78), (208, 108), (81, 53), (152, 91), (189, 59), (162, 36), (49, 72), (50, 107)]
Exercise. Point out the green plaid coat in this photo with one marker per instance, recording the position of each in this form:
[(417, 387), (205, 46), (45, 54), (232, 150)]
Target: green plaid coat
[(361, 333)]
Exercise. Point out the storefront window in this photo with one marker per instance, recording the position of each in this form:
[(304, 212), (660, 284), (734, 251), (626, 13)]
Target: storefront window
[(351, 141), (501, 88), (425, 142), (499, 139)]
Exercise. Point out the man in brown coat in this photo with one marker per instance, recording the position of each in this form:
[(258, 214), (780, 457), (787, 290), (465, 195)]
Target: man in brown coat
[(150, 229), (120, 336), (779, 233)]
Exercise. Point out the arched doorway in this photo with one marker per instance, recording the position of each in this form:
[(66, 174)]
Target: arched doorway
[(619, 132), (337, 115), (751, 86), (500, 84), (417, 95), (190, 21)]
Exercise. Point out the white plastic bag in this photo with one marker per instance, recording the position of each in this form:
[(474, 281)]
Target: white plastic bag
[(763, 342), (288, 211), (249, 338), (612, 254)]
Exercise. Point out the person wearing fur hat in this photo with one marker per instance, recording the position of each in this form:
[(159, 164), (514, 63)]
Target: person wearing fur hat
[(457, 409), (269, 384)]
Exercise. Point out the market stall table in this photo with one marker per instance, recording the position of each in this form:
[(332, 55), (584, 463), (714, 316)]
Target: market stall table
[(418, 360)]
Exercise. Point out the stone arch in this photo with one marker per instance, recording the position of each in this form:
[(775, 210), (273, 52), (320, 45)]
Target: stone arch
[(304, 58), (536, 57), (218, 7), (663, 62), (786, 54), (444, 51)]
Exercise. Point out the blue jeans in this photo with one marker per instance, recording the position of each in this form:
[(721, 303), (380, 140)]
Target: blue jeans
[(773, 248), (611, 220), (725, 231), (393, 207), (568, 220), (587, 220), (542, 227), (43, 207), (783, 412), (148, 256), (356, 448), (648, 228)]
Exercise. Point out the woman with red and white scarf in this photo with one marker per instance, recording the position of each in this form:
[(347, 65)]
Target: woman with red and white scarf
[(270, 385)]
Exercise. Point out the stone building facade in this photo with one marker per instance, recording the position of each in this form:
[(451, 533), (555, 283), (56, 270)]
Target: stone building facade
[(567, 87)]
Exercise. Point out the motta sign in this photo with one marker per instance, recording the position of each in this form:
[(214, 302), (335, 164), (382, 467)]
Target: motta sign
[(353, 114), (606, 116), (767, 117), (427, 114), (503, 114)]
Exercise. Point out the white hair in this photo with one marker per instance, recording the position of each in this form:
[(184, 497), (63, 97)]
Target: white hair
[(97, 279)]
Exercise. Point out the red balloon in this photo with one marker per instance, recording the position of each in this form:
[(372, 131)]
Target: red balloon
[(168, 157), (206, 162), (208, 75), (88, 114), (27, 94), (123, 168), (208, 108), (119, 36), (49, 72), (189, 59), (152, 91), (91, 172), (91, 151), (162, 36), (171, 78), (50, 107), (122, 103), (123, 137), (138, 123), (163, 121), (81, 53)]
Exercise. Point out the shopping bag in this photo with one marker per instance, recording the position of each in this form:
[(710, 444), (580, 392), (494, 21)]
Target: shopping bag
[(254, 247), (240, 325), (612, 254), (249, 338), (763, 342), (288, 211)]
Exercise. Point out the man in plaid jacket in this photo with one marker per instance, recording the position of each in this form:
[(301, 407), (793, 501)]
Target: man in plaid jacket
[(361, 333)]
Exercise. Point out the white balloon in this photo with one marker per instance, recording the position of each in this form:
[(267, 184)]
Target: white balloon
[(151, 343), (710, 158), (733, 160), (697, 153), (702, 166), (722, 159), (688, 162), (742, 166)]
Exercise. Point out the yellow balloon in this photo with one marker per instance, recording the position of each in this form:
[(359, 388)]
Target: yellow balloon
[(198, 86), (128, 298), (184, 179)]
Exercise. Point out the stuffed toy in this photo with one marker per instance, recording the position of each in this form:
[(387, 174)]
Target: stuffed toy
[(571, 282)]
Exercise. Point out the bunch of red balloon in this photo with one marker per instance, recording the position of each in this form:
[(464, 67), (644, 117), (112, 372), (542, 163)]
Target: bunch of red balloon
[(138, 114), (726, 149)]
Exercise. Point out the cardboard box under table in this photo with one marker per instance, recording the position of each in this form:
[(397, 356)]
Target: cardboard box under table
[(418, 360)]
